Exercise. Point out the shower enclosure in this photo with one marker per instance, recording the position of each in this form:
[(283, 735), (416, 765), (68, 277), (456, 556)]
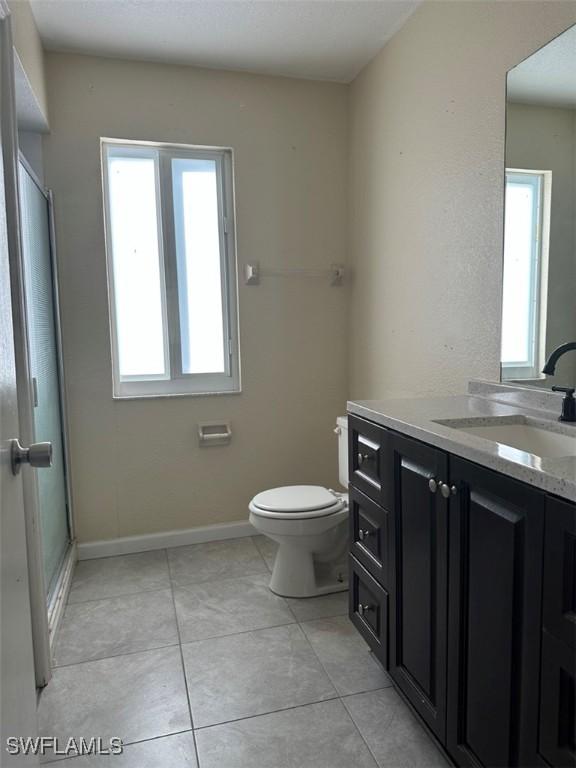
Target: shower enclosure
[(52, 530)]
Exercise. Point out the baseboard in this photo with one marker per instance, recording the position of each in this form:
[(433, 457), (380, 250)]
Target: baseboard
[(129, 544), (60, 594)]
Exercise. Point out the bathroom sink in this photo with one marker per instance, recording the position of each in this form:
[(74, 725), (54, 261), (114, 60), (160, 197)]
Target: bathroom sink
[(528, 435)]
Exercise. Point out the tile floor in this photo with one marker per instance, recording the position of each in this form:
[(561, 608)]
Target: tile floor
[(188, 657)]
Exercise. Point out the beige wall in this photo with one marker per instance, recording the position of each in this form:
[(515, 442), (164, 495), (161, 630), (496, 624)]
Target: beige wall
[(426, 166), (543, 138), (424, 171), (29, 49), (136, 464)]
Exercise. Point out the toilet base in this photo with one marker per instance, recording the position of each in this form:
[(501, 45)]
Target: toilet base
[(297, 574), (326, 589), (311, 557)]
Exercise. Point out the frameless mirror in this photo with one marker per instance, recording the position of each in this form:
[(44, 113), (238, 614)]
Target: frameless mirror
[(539, 302)]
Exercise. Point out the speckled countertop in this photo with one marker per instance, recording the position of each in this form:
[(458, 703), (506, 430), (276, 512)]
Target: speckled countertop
[(417, 417)]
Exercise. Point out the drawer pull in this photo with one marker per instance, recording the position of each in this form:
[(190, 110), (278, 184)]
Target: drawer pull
[(363, 609), (448, 490), (433, 485), (363, 534), (362, 457)]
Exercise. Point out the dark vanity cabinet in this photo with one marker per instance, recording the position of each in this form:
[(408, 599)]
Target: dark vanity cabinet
[(418, 560), (463, 582), (557, 734), (494, 594)]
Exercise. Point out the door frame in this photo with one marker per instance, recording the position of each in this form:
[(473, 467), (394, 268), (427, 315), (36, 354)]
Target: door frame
[(39, 617), (47, 609), (18, 673)]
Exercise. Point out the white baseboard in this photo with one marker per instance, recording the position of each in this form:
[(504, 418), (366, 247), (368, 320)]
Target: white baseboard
[(147, 542)]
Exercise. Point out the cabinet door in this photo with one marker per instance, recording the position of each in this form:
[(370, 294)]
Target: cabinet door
[(560, 570), (558, 705), (496, 541), (418, 597)]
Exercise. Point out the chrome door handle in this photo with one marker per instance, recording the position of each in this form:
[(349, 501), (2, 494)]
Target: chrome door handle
[(362, 457), (448, 490), (362, 609), (37, 455), (363, 534), (432, 485)]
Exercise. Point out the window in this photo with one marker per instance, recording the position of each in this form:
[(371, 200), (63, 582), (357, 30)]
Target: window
[(526, 234), (171, 269)]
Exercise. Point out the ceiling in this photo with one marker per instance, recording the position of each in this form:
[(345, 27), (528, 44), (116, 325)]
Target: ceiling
[(314, 39), (548, 77)]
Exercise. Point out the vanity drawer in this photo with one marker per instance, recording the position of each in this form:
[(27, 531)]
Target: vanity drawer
[(367, 459), (560, 570), (368, 610), (558, 703), (369, 535)]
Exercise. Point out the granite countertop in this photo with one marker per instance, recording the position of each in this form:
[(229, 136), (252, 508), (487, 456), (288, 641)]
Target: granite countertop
[(416, 417)]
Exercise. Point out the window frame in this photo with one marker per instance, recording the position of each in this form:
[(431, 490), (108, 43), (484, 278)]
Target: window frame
[(175, 382), (531, 369)]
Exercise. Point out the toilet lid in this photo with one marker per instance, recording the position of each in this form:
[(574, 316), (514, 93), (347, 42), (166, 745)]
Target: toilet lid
[(295, 498)]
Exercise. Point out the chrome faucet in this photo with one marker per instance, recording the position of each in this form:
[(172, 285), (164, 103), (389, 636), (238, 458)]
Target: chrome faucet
[(569, 403)]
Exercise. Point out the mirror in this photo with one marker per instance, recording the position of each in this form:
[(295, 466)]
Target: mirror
[(539, 302)]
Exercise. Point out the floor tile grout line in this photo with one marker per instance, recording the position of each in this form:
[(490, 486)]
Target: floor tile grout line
[(343, 695), (328, 675), (264, 714), (116, 656), (120, 554), (241, 632), (250, 717), (261, 714), (268, 569), (118, 597), (210, 581), (251, 575), (364, 691), (368, 652), (359, 732), (337, 697), (181, 641), (124, 744), (183, 665)]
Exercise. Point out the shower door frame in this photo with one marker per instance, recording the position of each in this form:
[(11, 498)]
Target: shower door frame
[(47, 609)]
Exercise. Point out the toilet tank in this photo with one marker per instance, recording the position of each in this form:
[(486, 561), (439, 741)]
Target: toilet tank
[(342, 432)]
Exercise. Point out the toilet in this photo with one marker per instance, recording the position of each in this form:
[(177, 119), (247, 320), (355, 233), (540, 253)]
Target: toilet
[(310, 525)]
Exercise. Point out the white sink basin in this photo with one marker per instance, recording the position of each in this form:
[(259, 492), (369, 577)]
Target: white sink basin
[(520, 433)]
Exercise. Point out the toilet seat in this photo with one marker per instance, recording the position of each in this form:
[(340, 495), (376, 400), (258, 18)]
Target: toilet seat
[(297, 502)]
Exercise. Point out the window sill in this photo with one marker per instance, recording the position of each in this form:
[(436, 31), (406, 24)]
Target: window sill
[(527, 380), (177, 394)]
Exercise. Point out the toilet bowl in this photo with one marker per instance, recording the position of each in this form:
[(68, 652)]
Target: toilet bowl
[(310, 525)]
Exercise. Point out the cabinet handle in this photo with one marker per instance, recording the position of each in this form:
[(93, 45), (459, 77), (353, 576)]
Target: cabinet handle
[(363, 533), (448, 490), (433, 485), (362, 457), (362, 609)]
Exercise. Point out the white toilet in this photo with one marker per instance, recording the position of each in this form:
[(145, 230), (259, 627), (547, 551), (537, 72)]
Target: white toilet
[(310, 525)]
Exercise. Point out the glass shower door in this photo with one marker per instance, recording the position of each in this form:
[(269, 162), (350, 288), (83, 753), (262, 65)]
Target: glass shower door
[(45, 371)]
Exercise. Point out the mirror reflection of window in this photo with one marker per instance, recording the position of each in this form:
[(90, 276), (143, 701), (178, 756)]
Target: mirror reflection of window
[(526, 241), (539, 296)]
